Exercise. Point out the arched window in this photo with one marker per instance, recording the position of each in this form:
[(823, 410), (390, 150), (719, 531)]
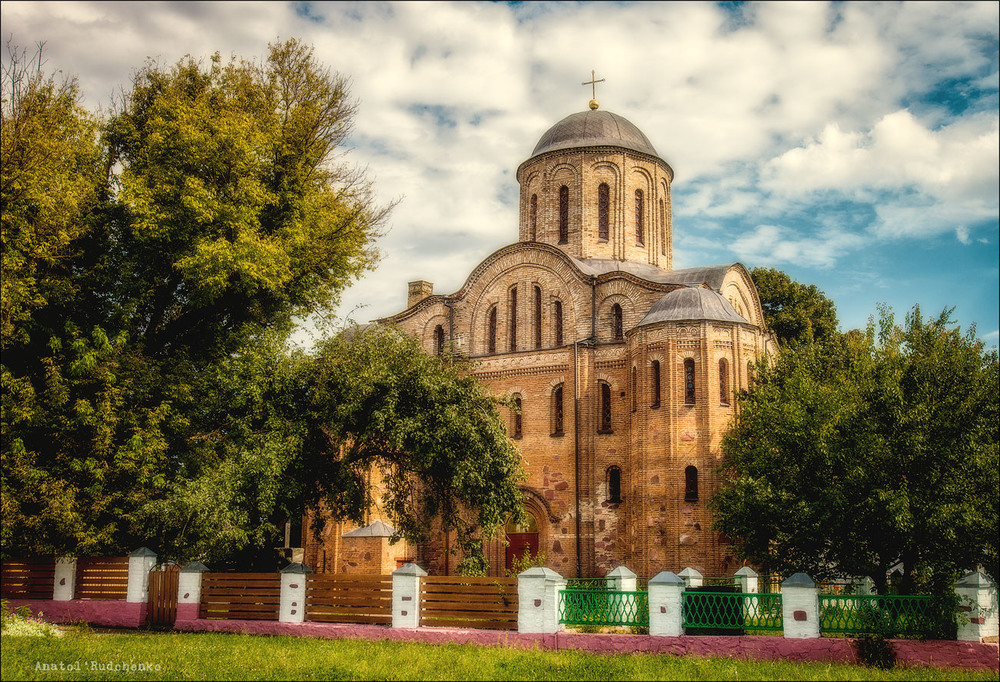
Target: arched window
[(439, 340), (563, 214), (557, 321), (491, 331), (663, 229), (603, 211), (538, 317), (723, 381), (513, 317), (605, 423), (533, 218), (654, 382), (614, 480), (557, 410), (691, 484), (639, 231), (617, 328), (516, 417), (635, 389), (689, 381)]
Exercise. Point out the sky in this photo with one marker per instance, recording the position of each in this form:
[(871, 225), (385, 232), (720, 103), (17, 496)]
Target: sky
[(853, 145)]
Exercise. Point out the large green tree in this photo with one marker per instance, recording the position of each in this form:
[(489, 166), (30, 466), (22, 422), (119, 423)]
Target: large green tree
[(795, 312), (876, 449), (154, 261)]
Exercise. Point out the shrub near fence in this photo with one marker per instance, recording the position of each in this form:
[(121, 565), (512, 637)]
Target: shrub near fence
[(349, 598), (242, 596), (467, 602), (28, 578), (102, 578)]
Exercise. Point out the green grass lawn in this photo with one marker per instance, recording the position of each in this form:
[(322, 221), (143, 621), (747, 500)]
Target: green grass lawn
[(194, 656)]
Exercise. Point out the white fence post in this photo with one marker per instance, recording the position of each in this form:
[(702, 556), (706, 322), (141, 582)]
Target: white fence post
[(692, 577), (189, 590), (978, 613), (64, 587), (538, 600), (292, 602), (406, 596), (666, 618), (800, 606), (621, 579), (140, 563), (747, 580)]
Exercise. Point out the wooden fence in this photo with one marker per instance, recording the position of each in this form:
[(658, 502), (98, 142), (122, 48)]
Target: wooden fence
[(28, 578), (101, 578), (456, 601), (163, 595), (349, 598), (247, 596)]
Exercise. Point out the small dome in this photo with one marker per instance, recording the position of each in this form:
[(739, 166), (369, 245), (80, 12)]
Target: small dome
[(593, 128), (691, 303)]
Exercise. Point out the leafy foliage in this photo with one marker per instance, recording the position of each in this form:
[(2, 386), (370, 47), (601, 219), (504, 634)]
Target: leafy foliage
[(794, 311), (872, 450)]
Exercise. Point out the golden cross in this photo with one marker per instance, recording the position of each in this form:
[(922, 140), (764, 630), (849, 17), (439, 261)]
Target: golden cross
[(593, 84)]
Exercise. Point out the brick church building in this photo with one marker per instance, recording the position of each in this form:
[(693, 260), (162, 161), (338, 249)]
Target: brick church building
[(624, 368)]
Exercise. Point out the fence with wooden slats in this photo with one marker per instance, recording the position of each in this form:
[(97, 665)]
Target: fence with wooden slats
[(464, 602), (28, 578), (102, 578), (242, 596), (349, 598), (163, 595)]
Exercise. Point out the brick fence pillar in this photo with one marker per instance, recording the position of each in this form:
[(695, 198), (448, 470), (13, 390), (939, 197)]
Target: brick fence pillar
[(621, 579), (64, 587), (666, 591), (140, 563), (538, 600), (692, 577), (189, 590), (800, 606), (978, 613), (406, 596), (292, 602)]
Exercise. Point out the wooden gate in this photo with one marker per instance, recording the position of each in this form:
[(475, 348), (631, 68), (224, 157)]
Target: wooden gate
[(163, 594)]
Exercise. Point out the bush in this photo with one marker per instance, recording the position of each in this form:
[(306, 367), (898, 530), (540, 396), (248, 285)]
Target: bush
[(21, 623)]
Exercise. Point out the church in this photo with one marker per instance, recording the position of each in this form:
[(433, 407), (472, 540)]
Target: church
[(625, 370)]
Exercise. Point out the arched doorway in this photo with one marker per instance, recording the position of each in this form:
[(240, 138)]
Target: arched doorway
[(521, 538)]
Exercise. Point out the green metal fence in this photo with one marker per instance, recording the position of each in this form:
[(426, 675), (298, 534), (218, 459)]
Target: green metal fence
[(731, 612), (582, 606), (892, 615)]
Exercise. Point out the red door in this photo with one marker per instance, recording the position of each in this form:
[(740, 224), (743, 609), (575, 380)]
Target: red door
[(518, 544)]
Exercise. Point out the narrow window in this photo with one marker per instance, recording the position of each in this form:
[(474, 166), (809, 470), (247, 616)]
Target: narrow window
[(723, 381), (638, 218), (538, 317), (557, 411), (689, 381), (439, 340), (517, 416), (614, 485), (605, 426), (635, 384), (603, 211), (654, 381), (491, 331), (563, 214), (513, 318), (533, 218), (617, 327), (691, 484), (557, 321), (663, 229)]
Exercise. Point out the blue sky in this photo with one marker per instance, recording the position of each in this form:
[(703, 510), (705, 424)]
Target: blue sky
[(853, 145)]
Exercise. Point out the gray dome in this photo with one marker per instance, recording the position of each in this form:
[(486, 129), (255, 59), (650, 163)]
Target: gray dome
[(691, 303), (593, 128)]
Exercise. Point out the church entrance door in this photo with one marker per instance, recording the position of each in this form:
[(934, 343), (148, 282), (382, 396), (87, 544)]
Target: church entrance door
[(521, 539)]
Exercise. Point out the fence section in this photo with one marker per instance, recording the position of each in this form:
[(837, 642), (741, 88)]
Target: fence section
[(102, 578), (457, 601), (163, 595), (717, 612), (242, 596), (28, 578), (349, 598), (604, 607), (892, 615)]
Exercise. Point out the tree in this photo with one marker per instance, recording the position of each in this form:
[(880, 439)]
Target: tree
[(877, 449), (794, 311)]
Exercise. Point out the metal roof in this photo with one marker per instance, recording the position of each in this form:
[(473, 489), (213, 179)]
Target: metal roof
[(375, 529), (691, 303), (594, 128)]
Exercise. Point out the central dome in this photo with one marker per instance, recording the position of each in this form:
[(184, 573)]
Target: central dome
[(594, 129)]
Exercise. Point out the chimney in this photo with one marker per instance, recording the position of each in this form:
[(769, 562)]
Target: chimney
[(418, 291)]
